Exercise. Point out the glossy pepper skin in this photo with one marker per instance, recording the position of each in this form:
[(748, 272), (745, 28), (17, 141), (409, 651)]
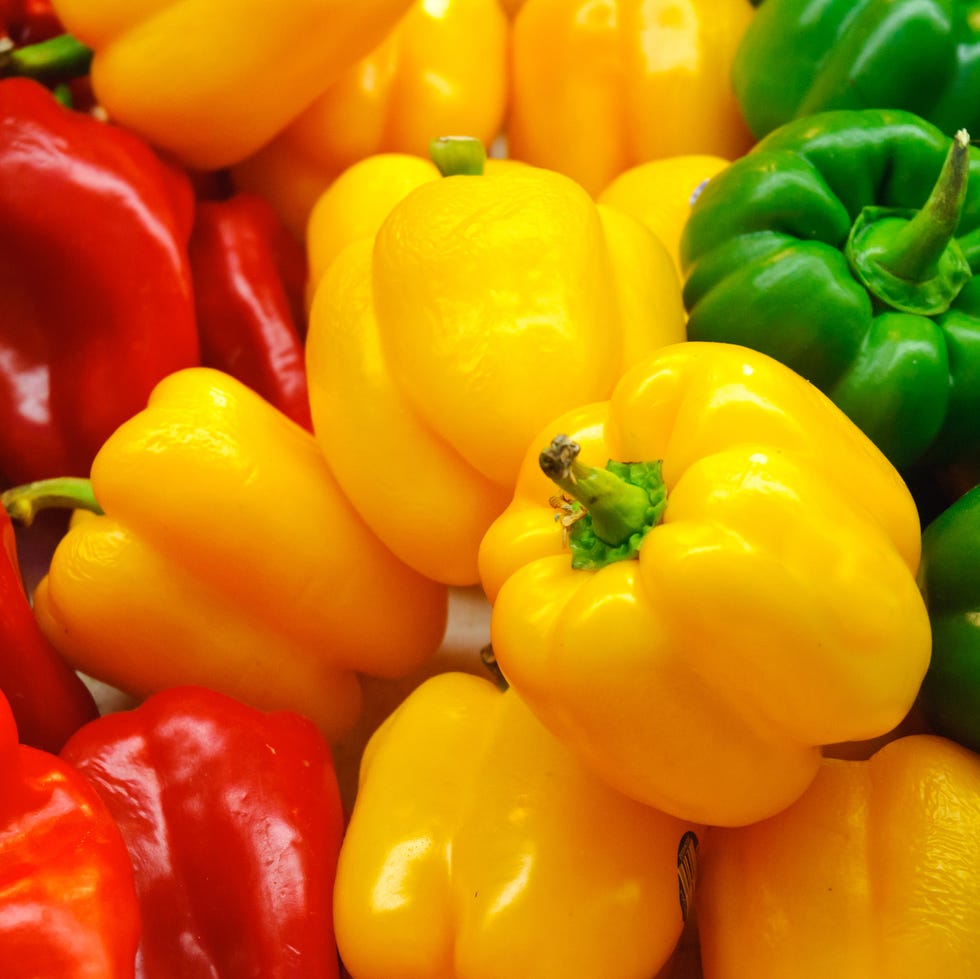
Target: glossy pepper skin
[(68, 907), (479, 846), (763, 604), (847, 243), (98, 300), (644, 80), (442, 69), (48, 699), (185, 74), (871, 873), (800, 57), (233, 822), (485, 303), (228, 557), (950, 696), (249, 277)]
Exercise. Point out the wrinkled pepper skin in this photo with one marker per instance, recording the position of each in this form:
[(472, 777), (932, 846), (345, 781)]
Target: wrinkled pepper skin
[(484, 305), (443, 69), (801, 57), (788, 236), (233, 822), (872, 873), (68, 907), (771, 610), (98, 299), (643, 80), (48, 699), (472, 852), (249, 276), (948, 574), (228, 557), (211, 81)]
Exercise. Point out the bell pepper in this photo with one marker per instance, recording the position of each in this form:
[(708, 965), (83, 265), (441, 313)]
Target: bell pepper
[(48, 698), (211, 81), (479, 846), (948, 576), (226, 556), (846, 244), (485, 303), (68, 907), (249, 280), (233, 822), (738, 586), (25, 22), (661, 193), (872, 873), (800, 57), (643, 80), (442, 69), (98, 302)]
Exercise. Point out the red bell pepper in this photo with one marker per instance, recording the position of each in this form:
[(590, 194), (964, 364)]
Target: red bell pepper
[(249, 276), (97, 294), (233, 821), (28, 21), (68, 907), (48, 699)]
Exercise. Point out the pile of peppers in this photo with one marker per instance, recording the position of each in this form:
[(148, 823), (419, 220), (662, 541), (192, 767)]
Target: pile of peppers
[(490, 488)]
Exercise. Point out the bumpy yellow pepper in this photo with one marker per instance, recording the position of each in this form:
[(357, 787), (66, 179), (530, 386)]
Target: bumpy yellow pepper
[(642, 79), (480, 847), (872, 874), (213, 80), (229, 557), (443, 69), (759, 598), (484, 305)]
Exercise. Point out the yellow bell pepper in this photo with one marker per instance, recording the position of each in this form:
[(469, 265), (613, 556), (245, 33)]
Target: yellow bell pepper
[(642, 79), (872, 874), (660, 194), (213, 80), (484, 305), (478, 846), (442, 70), (741, 589), (228, 557)]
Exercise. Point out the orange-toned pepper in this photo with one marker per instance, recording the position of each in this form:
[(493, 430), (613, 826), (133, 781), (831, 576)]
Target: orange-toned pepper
[(442, 70), (213, 80), (599, 86), (228, 557), (871, 873), (485, 304), (479, 846)]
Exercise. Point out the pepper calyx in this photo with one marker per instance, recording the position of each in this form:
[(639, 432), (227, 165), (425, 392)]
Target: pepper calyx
[(24, 502), (605, 513), (458, 156), (57, 59)]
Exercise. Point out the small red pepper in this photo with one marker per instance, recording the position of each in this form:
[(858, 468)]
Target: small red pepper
[(97, 296), (28, 21), (233, 821), (249, 276), (68, 907), (48, 699)]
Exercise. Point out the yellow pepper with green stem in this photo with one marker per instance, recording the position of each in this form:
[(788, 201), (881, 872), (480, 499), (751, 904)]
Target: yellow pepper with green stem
[(479, 847), (737, 590)]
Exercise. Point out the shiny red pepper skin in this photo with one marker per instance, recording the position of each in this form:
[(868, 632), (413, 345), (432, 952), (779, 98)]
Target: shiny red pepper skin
[(68, 907), (98, 302), (48, 699), (233, 821), (249, 275), (28, 21)]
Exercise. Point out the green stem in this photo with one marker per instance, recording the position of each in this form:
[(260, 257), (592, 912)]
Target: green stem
[(54, 60), (458, 155), (24, 502)]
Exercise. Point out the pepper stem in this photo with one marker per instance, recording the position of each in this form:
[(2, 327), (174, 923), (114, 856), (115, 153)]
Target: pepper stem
[(23, 503), (458, 155), (55, 60)]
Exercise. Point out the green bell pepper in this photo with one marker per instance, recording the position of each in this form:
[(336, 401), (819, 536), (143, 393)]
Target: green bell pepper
[(845, 245), (949, 578), (800, 57)]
